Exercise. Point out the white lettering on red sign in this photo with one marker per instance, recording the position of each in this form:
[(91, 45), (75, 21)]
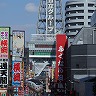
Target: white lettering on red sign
[(61, 49)]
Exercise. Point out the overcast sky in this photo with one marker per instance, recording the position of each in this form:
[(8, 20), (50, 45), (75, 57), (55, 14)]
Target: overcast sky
[(20, 15)]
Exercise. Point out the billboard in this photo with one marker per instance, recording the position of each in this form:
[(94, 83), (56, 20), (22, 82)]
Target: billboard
[(16, 72), (4, 42), (3, 73), (50, 16), (60, 70), (18, 43), (60, 48)]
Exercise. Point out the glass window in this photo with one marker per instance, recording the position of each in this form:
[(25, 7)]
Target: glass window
[(90, 5), (90, 11), (89, 17), (80, 5)]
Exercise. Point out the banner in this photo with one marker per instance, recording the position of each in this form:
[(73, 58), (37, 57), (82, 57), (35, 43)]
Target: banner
[(60, 70), (50, 20), (18, 43), (4, 42), (16, 71), (61, 40)]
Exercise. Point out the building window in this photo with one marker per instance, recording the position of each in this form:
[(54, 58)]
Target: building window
[(89, 17), (80, 5), (89, 23), (90, 5), (80, 17), (80, 11), (77, 65), (90, 11), (80, 23), (73, 5)]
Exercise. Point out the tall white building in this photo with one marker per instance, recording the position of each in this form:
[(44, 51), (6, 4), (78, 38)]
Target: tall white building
[(77, 15)]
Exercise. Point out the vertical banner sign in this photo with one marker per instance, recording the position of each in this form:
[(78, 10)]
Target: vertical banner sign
[(22, 74), (18, 43), (21, 90), (16, 73), (50, 16), (3, 74), (4, 42), (60, 45), (61, 41), (4, 55)]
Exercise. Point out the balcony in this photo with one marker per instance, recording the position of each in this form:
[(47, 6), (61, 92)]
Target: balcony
[(75, 14)]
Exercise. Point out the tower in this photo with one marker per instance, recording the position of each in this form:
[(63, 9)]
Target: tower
[(50, 17), (42, 47)]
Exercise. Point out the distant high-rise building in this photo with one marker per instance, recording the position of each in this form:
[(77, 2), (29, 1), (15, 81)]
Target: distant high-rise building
[(77, 15)]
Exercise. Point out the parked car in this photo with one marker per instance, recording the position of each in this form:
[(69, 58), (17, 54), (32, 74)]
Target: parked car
[(35, 85)]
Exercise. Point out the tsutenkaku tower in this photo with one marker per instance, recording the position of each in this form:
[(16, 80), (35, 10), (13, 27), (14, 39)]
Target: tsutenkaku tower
[(50, 17)]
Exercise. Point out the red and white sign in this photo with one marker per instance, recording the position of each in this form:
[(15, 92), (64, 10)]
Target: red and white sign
[(17, 71), (61, 41), (4, 42)]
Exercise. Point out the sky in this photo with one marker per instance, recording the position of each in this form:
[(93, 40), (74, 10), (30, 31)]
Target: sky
[(21, 15)]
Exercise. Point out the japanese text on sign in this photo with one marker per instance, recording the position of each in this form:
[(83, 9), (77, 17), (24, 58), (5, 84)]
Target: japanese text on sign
[(4, 44), (60, 51), (3, 74), (50, 14), (16, 71)]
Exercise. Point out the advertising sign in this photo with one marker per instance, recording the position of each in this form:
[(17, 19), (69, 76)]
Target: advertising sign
[(50, 16), (22, 74), (3, 73), (4, 42), (18, 43), (60, 72), (16, 73), (60, 48)]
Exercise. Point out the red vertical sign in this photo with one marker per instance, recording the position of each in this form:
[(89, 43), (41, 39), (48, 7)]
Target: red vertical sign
[(60, 48), (16, 71)]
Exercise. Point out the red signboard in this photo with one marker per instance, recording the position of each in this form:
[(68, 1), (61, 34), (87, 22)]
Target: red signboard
[(60, 70), (16, 76), (17, 67), (16, 72), (4, 44), (61, 41)]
